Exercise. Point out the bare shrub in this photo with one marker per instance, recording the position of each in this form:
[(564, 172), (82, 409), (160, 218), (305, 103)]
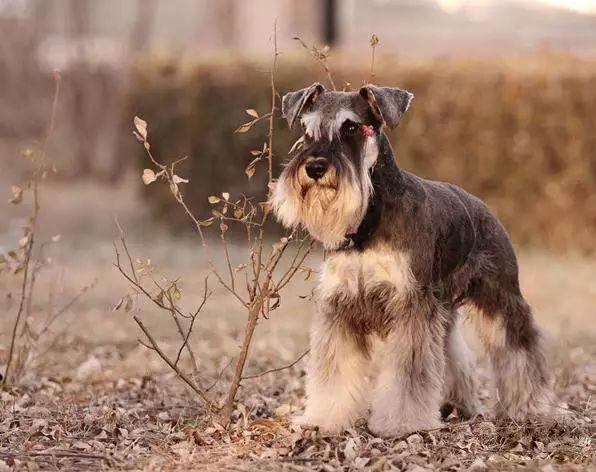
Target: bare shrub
[(30, 335), (256, 284)]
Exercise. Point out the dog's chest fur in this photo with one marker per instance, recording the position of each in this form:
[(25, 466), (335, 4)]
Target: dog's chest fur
[(364, 288)]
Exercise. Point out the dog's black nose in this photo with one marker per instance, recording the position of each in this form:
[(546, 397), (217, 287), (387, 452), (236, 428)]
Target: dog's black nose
[(316, 168)]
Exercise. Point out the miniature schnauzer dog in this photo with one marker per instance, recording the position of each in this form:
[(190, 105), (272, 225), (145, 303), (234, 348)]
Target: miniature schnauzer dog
[(403, 255)]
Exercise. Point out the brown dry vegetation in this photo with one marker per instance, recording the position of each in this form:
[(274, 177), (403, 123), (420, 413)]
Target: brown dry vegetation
[(518, 132), (102, 401)]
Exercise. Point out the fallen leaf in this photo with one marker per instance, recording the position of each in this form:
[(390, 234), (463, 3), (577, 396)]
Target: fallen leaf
[(478, 465), (83, 446), (351, 449), (282, 410), (89, 369)]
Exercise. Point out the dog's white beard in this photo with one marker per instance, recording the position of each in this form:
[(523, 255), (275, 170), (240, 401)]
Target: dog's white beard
[(329, 213)]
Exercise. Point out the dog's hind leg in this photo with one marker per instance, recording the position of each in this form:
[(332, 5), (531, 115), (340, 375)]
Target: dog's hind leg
[(460, 387), (336, 377), (506, 327)]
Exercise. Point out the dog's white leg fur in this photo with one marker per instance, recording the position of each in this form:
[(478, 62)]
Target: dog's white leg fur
[(336, 378), (408, 390), (460, 388)]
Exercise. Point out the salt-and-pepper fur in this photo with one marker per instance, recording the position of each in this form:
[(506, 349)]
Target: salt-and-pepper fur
[(403, 254)]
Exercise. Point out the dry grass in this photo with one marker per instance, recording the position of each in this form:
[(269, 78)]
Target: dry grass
[(104, 413), (98, 400)]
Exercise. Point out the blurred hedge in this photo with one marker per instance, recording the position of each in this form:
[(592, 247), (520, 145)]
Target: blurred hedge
[(519, 134)]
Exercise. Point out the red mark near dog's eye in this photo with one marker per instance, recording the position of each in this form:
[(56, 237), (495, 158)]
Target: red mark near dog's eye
[(367, 130)]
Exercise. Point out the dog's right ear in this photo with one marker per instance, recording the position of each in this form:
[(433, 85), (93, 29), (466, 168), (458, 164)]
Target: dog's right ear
[(293, 103)]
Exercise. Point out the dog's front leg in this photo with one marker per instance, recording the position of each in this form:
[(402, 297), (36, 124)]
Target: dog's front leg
[(336, 377), (407, 394)]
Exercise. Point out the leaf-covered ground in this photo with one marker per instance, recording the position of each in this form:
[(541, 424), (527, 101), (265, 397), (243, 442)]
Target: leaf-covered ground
[(94, 399), (95, 417)]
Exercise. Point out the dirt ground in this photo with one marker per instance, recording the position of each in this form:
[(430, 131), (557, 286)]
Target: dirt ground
[(95, 399)]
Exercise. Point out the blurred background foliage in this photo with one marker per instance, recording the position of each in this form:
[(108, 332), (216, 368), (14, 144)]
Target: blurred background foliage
[(505, 95), (518, 133)]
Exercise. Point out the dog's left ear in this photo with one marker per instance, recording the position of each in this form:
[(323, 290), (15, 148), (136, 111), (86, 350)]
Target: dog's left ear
[(388, 104)]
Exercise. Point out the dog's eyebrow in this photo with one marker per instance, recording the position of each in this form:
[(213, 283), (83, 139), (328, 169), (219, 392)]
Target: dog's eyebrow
[(315, 123), (340, 118), (312, 124)]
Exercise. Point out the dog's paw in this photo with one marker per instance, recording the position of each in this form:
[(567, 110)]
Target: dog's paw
[(324, 425), (385, 427)]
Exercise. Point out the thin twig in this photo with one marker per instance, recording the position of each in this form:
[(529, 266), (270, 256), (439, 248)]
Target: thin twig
[(228, 288), (218, 378), (54, 453), (278, 369), (172, 309), (33, 227), (127, 252), (228, 261), (169, 174), (206, 295), (272, 112), (67, 306), (137, 285), (374, 41), (289, 275), (178, 372), (20, 311), (320, 57)]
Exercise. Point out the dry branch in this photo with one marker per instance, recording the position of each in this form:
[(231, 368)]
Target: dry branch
[(374, 42), (28, 284), (260, 268), (319, 55), (174, 367), (278, 369)]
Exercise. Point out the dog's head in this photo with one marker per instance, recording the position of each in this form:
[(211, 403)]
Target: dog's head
[(326, 185)]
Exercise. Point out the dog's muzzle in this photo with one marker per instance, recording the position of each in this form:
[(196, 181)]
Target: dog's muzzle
[(316, 167)]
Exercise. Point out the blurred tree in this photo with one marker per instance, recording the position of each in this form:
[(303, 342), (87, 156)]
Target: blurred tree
[(225, 14), (23, 87), (79, 73), (141, 30), (329, 22)]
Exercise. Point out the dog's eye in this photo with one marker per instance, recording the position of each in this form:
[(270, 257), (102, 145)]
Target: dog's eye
[(349, 128)]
